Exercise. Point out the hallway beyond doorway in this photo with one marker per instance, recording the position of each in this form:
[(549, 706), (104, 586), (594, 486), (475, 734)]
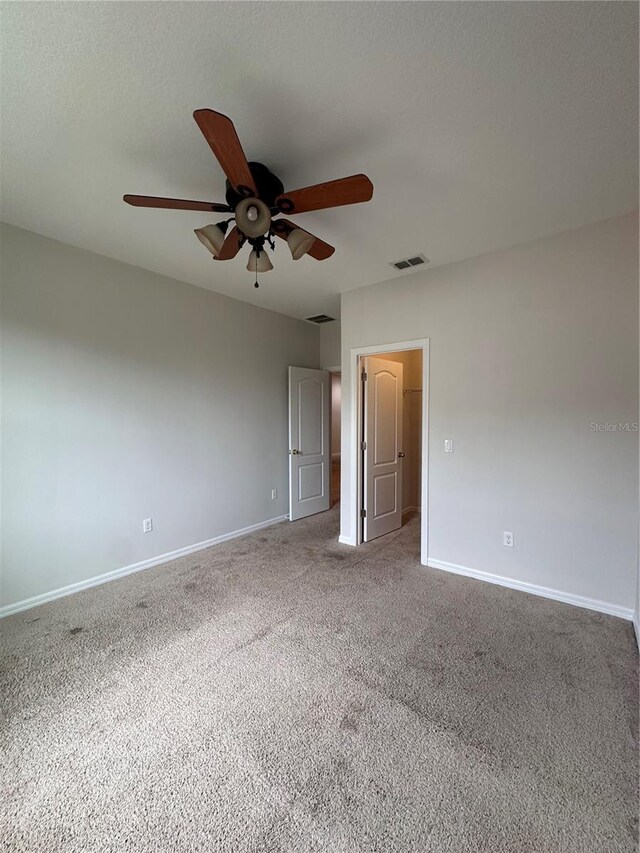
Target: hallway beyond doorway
[(336, 414)]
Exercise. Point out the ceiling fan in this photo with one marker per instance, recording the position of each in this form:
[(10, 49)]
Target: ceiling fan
[(254, 197)]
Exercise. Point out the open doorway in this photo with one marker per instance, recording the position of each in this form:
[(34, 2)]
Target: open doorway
[(336, 413), (390, 440), (309, 442), (315, 403), (353, 401)]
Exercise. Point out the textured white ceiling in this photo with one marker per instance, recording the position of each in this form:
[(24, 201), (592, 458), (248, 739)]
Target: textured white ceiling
[(480, 124)]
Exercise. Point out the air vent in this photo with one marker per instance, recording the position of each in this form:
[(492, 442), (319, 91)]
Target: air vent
[(321, 318), (409, 263)]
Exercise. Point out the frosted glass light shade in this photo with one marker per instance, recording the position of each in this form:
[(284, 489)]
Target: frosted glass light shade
[(253, 217), (263, 262), (211, 236), (299, 243)]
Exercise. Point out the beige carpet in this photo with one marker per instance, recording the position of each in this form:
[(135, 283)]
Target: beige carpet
[(285, 693)]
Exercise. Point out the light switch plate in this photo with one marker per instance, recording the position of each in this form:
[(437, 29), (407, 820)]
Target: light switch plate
[(448, 445)]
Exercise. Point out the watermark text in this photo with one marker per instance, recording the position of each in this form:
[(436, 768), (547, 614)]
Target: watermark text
[(619, 426)]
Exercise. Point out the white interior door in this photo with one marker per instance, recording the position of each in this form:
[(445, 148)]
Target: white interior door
[(309, 434), (383, 454)]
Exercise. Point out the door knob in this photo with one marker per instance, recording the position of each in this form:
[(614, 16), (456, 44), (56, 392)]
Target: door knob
[(401, 455)]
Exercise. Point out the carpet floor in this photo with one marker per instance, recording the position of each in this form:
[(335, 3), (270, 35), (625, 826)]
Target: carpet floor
[(282, 692)]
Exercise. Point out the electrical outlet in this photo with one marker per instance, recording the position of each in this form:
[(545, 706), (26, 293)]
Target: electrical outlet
[(507, 539), (274, 494), (147, 525)]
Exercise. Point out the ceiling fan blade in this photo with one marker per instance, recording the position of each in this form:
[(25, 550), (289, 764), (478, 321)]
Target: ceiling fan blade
[(320, 250), (351, 190), (231, 245), (223, 140), (174, 203)]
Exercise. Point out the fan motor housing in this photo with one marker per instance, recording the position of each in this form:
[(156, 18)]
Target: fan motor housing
[(269, 186)]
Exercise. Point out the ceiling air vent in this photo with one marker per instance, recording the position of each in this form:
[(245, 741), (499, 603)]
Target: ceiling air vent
[(321, 318), (409, 263)]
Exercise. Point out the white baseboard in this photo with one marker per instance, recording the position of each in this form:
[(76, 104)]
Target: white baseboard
[(44, 597), (636, 627), (409, 509), (543, 591)]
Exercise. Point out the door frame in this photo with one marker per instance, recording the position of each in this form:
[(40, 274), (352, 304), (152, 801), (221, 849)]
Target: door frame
[(355, 418)]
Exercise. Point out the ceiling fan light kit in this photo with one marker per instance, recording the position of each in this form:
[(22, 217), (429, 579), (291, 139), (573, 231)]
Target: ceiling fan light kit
[(259, 262), (253, 217), (254, 196), (212, 236), (299, 243)]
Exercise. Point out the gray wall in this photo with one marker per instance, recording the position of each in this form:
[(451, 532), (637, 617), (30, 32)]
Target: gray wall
[(528, 347), (330, 344), (128, 395)]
